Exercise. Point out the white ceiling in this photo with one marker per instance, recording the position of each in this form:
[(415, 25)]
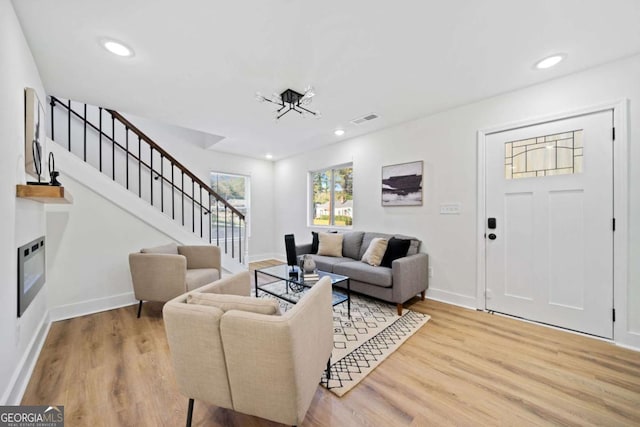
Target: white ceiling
[(199, 63)]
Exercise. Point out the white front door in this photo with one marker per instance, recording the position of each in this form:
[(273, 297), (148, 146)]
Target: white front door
[(549, 246)]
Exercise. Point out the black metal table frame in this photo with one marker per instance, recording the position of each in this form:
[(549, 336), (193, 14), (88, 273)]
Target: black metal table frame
[(294, 282)]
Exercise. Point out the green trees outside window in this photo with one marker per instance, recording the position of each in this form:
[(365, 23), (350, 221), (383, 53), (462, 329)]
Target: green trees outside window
[(332, 196)]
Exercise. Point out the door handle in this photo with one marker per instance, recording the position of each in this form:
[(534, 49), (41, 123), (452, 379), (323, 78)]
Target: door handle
[(492, 236)]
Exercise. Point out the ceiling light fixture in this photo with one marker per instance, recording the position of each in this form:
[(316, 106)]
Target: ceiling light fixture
[(550, 61), (116, 47), (290, 100), (338, 132), (269, 156)]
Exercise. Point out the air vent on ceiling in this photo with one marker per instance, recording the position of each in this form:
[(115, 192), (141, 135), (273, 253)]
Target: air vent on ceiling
[(365, 118)]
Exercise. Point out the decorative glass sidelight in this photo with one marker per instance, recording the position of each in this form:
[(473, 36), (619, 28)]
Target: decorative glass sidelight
[(558, 154)]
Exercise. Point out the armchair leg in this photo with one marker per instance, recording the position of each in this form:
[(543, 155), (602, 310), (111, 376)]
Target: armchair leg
[(422, 295), (399, 306), (190, 413), (139, 308)]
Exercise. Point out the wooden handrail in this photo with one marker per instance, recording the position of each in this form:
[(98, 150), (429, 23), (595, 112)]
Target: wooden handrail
[(175, 162)]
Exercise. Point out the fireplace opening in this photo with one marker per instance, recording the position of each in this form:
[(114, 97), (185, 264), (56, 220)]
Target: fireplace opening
[(31, 272)]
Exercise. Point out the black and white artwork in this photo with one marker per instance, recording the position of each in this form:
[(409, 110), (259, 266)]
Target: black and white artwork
[(34, 132), (402, 184)]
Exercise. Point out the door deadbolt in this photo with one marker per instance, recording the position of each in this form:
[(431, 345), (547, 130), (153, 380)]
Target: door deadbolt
[(492, 236)]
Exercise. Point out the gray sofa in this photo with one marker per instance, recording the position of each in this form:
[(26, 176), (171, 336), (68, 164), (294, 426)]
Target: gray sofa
[(407, 277)]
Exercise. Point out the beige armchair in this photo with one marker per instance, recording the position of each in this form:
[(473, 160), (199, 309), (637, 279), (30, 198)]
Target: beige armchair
[(263, 365), (164, 272)]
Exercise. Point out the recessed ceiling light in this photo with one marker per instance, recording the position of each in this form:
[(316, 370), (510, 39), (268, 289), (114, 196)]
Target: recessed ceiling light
[(269, 156), (338, 132), (116, 47), (550, 61)]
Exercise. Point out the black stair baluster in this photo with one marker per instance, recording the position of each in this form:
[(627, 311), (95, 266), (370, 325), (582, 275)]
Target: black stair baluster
[(69, 123), (126, 129), (151, 173), (85, 132), (200, 191), (161, 183), (139, 167), (225, 229), (193, 207), (113, 148), (182, 193), (173, 195), (233, 238), (210, 215), (99, 138)]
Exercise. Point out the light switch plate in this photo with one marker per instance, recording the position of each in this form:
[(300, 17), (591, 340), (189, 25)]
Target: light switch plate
[(450, 209)]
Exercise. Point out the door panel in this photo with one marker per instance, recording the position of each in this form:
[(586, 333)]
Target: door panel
[(549, 186)]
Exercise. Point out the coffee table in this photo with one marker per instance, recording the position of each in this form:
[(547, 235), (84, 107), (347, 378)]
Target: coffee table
[(292, 288)]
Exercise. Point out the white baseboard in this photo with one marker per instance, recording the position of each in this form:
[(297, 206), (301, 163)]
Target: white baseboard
[(22, 374), (267, 256), (91, 306), (452, 298)]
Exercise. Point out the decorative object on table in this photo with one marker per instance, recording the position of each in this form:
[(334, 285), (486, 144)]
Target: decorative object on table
[(53, 174), (34, 135), (364, 340), (308, 264), (290, 100), (402, 184), (310, 277)]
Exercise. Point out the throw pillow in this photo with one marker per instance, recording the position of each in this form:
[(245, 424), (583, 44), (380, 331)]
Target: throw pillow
[(235, 302), (330, 244), (375, 251), (397, 248), (314, 242), (169, 248)]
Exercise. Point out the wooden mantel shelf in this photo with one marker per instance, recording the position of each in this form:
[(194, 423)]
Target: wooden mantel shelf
[(43, 193)]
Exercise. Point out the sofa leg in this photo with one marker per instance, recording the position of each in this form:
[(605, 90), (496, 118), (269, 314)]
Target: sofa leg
[(139, 308), (399, 309), (190, 413), (422, 295)]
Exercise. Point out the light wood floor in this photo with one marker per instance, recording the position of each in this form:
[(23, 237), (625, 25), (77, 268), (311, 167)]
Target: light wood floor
[(463, 368)]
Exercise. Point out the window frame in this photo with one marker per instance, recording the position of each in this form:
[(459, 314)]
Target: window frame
[(310, 194)]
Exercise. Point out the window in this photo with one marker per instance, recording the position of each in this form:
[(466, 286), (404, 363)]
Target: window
[(235, 190), (558, 154), (332, 196)]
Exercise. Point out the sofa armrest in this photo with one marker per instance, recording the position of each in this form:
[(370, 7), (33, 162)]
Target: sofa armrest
[(158, 277), (201, 256), (410, 276), (238, 284), (303, 249)]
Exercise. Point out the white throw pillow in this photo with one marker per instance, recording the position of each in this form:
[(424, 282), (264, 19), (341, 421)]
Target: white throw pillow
[(235, 302), (375, 251), (330, 244)]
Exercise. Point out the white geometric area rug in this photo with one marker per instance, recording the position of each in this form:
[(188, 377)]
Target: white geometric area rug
[(362, 342)]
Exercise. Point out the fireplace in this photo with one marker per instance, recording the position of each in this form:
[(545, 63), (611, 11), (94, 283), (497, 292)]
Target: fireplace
[(31, 272)]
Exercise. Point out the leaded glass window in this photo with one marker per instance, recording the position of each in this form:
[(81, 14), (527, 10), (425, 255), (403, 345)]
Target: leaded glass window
[(557, 154)]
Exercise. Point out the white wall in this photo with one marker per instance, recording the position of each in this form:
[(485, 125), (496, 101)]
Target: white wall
[(20, 220), (447, 143)]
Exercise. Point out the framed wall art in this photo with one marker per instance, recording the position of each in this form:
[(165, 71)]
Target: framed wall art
[(34, 133), (402, 184)]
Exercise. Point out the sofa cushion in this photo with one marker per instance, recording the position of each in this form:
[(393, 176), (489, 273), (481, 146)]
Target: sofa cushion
[(169, 248), (326, 263), (351, 243), (376, 250), (330, 244), (414, 248), (396, 248), (198, 277), (235, 302), (361, 272), (366, 241)]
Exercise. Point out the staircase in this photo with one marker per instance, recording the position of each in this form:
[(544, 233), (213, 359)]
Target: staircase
[(115, 147)]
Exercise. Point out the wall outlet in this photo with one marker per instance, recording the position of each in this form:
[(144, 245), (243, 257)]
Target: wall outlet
[(450, 209), (430, 271)]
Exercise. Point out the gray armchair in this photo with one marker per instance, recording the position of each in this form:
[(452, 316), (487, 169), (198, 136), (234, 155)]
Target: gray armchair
[(258, 364), (164, 272)]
